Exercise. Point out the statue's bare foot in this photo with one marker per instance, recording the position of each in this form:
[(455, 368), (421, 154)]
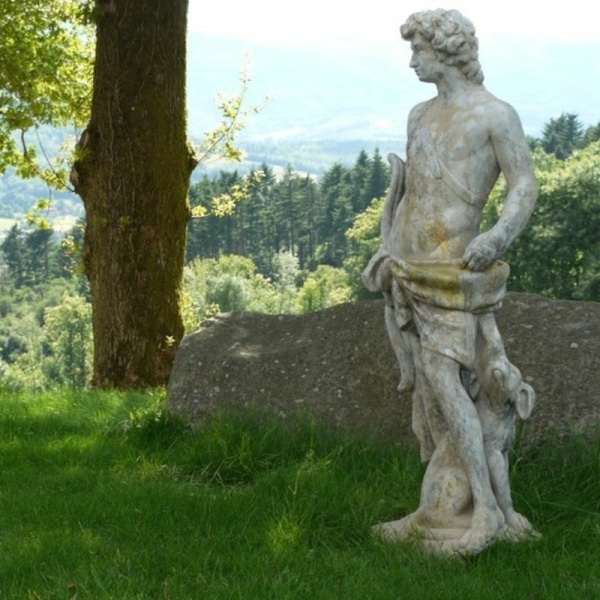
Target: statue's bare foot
[(407, 528), (519, 527)]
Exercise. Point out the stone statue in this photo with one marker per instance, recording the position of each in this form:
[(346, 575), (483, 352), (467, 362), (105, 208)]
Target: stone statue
[(442, 280)]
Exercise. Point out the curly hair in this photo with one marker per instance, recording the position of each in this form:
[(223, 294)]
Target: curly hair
[(451, 35)]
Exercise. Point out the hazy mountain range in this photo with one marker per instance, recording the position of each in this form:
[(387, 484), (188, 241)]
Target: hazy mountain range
[(361, 98), (325, 105)]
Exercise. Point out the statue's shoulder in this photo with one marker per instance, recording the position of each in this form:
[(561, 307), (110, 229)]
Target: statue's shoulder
[(415, 114), (497, 111), (417, 110)]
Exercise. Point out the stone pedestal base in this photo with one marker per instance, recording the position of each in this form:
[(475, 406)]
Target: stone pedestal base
[(460, 539)]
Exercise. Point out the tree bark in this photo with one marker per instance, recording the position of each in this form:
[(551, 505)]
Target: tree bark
[(133, 174)]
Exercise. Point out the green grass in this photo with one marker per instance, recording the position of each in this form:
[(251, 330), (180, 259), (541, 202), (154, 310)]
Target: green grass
[(103, 498)]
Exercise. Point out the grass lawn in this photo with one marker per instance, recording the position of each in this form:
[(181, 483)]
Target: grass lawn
[(103, 498)]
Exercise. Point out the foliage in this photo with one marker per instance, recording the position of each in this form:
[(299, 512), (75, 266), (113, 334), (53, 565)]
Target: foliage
[(46, 50), (220, 142), (565, 134), (233, 283), (324, 287), (285, 266), (45, 334), (56, 353), (591, 135), (562, 136), (558, 254), (225, 203), (365, 236), (97, 485), (32, 256), (68, 336), (290, 212), (224, 285), (277, 231)]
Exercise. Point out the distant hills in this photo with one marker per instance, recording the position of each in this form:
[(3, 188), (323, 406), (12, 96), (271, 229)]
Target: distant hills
[(327, 104), (363, 97)]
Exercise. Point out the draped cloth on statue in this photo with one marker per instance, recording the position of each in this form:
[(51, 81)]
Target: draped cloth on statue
[(445, 300), (443, 308), (447, 285)]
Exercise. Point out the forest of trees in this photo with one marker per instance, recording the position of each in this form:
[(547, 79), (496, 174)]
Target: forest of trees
[(293, 244), (289, 234), (292, 212), (271, 255), (335, 221), (45, 313)]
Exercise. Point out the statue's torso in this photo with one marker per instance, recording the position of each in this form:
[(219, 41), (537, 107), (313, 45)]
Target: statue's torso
[(451, 168)]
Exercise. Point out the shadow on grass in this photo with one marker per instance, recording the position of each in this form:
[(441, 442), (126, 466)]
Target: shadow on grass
[(106, 496)]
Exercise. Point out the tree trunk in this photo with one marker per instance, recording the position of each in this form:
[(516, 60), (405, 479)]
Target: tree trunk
[(133, 175)]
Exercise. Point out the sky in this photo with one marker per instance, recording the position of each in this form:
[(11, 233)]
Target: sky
[(553, 66), (376, 22)]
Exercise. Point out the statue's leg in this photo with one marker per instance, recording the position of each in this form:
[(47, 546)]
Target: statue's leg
[(443, 374)]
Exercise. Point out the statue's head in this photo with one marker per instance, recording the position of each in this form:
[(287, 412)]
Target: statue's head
[(450, 35)]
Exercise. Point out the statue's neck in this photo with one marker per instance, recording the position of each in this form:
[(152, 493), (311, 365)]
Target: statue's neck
[(453, 85)]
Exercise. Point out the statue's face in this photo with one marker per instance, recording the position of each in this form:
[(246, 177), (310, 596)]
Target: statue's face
[(424, 61)]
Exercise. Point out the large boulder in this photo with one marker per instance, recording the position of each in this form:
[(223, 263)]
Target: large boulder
[(337, 366)]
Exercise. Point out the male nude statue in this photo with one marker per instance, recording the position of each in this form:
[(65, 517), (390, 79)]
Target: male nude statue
[(442, 278)]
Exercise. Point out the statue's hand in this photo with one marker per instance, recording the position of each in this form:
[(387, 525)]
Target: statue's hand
[(482, 251), (377, 276), (384, 276)]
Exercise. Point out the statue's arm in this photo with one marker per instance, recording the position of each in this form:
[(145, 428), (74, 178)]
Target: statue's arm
[(514, 160), (394, 196), (398, 181)]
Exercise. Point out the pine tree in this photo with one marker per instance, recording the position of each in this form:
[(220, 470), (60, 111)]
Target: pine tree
[(338, 215), (379, 178), (14, 252), (359, 182), (563, 135), (41, 260)]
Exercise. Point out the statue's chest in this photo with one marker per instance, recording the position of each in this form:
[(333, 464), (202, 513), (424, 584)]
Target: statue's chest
[(451, 139)]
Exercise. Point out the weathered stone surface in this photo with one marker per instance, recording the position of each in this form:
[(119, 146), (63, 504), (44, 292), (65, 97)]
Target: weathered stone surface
[(335, 365), (338, 367)]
